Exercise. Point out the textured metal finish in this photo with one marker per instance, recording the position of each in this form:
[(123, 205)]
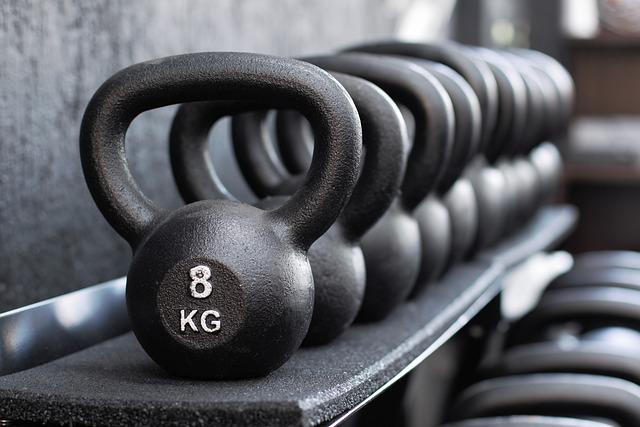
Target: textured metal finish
[(511, 127), (454, 190), (392, 238), (435, 226), (477, 75), (468, 120), (391, 247), (56, 53), (42, 332), (336, 258), (261, 308), (488, 184)]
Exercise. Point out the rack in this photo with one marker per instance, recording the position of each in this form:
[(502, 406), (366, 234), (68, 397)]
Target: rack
[(114, 382)]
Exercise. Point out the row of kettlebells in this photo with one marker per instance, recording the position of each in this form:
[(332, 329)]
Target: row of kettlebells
[(576, 354), (454, 159)]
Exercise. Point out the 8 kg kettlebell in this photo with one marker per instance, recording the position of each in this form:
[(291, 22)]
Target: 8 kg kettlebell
[(219, 289), (336, 259)]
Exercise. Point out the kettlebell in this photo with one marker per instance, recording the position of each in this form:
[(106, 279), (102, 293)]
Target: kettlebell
[(487, 182), (392, 248), (540, 103), (432, 215), (219, 289), (336, 259), (454, 189), (545, 161), (433, 123), (512, 111), (546, 157)]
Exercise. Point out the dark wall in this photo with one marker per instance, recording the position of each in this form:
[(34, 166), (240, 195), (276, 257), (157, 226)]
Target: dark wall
[(55, 54)]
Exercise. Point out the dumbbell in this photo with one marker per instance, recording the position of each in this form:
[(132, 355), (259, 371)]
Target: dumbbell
[(608, 259), (527, 421), (565, 395), (608, 351), (588, 307), (597, 276), (219, 280), (337, 261), (392, 249)]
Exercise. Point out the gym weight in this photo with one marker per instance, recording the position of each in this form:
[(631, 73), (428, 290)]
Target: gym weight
[(263, 306)]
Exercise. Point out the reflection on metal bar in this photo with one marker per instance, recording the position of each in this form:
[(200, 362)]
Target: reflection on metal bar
[(47, 330)]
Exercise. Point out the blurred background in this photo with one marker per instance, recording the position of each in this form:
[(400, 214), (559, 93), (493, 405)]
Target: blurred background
[(599, 42), (56, 53)]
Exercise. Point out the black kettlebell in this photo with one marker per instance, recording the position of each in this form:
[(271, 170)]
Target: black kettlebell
[(539, 111), (512, 111), (433, 123), (487, 182), (545, 157), (556, 394), (546, 161), (455, 190), (219, 289), (392, 248), (336, 258)]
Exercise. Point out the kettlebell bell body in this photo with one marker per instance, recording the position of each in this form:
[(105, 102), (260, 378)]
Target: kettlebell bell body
[(336, 259), (219, 289)]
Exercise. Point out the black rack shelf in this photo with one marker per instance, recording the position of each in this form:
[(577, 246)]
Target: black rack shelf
[(116, 383)]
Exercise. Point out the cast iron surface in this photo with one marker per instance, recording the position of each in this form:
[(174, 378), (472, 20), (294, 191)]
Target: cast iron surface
[(392, 247), (251, 316), (488, 185), (116, 383), (337, 262)]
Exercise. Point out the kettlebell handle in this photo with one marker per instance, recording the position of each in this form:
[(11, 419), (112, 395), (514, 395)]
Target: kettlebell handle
[(412, 86), (222, 76), (477, 74), (384, 135)]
